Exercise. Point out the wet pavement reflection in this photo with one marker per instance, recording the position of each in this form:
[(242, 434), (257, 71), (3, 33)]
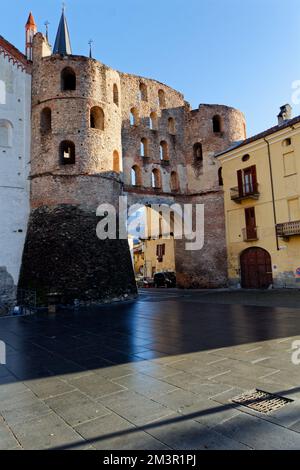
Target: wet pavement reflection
[(156, 373)]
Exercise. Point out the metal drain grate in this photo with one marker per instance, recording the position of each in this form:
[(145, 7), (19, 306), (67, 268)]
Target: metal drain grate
[(263, 402)]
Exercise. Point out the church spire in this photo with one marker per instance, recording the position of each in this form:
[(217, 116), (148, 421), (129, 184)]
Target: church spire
[(62, 44), (30, 29)]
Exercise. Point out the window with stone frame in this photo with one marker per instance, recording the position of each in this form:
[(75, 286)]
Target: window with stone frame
[(67, 153)]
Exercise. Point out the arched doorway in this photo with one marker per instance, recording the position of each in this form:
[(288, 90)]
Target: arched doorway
[(256, 269)]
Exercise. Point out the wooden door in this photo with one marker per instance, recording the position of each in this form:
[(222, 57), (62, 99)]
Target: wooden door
[(256, 269)]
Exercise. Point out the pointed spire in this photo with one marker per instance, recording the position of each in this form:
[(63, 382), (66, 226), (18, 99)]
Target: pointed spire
[(62, 44), (30, 21), (30, 31)]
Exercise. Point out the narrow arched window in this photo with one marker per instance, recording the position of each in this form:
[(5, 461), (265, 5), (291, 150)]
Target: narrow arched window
[(67, 153), (161, 98), (156, 179), (174, 181), (220, 176), (171, 126), (6, 133), (68, 79), (46, 120), (164, 151), (134, 117), (144, 148), (153, 121), (116, 162), (136, 179), (198, 153), (143, 95), (116, 94), (97, 118), (217, 124)]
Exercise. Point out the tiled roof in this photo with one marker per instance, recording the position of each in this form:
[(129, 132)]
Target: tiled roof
[(13, 54)]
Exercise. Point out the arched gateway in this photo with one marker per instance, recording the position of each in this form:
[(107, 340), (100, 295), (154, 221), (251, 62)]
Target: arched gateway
[(69, 182)]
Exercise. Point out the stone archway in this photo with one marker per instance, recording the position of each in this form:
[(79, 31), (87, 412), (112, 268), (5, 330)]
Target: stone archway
[(155, 214)]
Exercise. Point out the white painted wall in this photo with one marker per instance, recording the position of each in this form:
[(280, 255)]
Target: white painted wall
[(15, 107)]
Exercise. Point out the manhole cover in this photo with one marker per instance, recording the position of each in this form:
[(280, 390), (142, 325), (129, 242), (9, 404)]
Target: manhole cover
[(263, 402)]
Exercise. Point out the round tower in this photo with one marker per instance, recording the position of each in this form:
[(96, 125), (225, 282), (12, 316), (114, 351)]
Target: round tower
[(75, 166)]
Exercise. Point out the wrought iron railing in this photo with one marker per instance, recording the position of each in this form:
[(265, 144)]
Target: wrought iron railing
[(250, 190), (288, 229)]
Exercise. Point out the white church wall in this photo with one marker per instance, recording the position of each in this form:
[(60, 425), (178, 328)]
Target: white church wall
[(15, 103)]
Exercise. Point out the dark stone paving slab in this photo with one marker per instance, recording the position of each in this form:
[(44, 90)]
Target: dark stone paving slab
[(7, 439), (259, 433), (76, 408), (48, 432), (136, 408), (115, 433), (157, 373)]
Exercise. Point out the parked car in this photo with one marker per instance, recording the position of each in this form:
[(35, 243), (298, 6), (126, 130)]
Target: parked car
[(165, 279)]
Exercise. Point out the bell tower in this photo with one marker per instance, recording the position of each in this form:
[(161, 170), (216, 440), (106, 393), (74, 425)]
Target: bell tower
[(30, 31)]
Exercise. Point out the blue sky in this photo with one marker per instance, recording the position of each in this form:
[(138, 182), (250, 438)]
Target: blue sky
[(243, 53)]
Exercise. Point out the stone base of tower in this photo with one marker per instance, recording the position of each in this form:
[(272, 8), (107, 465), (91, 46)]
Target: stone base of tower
[(206, 268), (63, 255)]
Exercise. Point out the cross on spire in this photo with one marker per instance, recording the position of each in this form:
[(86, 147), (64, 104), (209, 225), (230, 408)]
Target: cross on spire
[(47, 29), (91, 42)]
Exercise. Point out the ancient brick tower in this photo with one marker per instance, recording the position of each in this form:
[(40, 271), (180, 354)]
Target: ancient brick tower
[(98, 134), (76, 132)]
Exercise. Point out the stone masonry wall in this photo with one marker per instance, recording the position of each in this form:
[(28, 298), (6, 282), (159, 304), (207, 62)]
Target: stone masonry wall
[(64, 255), (62, 252), (73, 192)]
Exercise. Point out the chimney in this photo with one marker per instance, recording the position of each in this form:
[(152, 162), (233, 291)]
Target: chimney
[(285, 114)]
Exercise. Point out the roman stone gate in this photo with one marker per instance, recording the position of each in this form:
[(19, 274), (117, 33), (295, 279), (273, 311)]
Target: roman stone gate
[(98, 134)]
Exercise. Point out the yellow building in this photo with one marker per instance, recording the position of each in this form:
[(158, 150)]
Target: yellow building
[(261, 178), (156, 253), (159, 256), (153, 256), (138, 259)]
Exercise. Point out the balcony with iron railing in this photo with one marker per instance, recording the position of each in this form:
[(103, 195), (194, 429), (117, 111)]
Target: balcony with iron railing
[(250, 234), (288, 229), (245, 191)]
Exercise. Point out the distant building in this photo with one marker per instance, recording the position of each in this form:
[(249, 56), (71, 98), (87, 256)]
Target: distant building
[(159, 256), (15, 132), (261, 178), (138, 258), (155, 254)]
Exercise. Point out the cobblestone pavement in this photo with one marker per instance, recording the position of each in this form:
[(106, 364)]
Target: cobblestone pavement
[(158, 373)]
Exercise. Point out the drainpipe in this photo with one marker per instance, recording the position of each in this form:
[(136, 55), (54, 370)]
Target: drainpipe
[(273, 193)]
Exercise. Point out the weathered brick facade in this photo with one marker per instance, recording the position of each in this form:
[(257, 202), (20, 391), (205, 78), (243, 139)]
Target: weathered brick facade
[(179, 143)]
